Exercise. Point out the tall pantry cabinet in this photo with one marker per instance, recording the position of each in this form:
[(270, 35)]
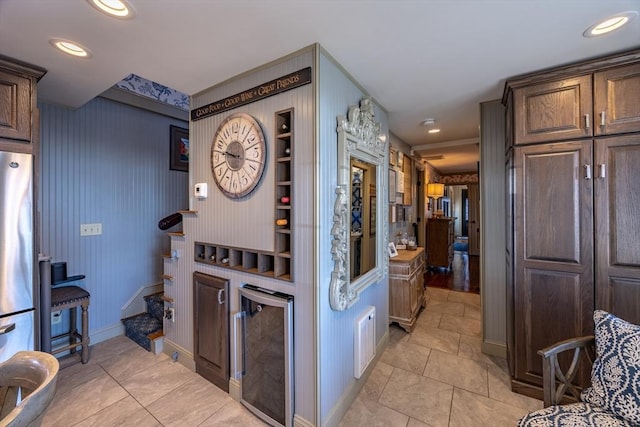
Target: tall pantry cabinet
[(573, 157)]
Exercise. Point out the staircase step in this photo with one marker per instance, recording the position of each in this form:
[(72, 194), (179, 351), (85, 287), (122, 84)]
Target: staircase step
[(155, 305), (139, 327)]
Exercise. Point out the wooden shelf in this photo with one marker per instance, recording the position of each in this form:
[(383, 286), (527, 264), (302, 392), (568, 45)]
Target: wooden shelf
[(284, 136), (176, 233)]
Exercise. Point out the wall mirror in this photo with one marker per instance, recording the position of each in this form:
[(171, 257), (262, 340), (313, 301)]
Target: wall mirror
[(359, 219)]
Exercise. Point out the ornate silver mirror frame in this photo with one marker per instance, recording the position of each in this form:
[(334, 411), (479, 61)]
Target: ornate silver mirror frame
[(359, 137)]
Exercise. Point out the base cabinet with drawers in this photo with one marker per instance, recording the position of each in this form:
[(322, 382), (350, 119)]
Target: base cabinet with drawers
[(406, 287)]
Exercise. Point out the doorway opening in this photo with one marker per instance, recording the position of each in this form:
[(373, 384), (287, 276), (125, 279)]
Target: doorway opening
[(461, 206)]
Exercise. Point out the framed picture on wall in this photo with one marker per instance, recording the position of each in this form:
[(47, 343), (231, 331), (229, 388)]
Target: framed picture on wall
[(178, 149), (392, 186), (393, 155)]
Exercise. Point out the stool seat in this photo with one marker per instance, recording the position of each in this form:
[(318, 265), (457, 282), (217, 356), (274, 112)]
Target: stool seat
[(67, 294), (70, 297)]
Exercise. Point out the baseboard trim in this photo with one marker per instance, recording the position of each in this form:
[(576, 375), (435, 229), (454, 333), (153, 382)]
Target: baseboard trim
[(185, 357), (234, 389), (494, 349), (349, 396), (106, 333), (298, 421), (136, 304)]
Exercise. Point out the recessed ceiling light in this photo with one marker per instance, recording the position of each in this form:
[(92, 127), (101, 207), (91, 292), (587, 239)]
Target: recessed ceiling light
[(71, 48), (116, 8), (436, 130), (610, 24), (428, 122)]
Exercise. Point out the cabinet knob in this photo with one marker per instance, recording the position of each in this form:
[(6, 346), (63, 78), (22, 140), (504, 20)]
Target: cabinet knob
[(587, 171)]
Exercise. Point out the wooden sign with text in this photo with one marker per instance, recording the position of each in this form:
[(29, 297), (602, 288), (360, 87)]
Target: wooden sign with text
[(273, 87)]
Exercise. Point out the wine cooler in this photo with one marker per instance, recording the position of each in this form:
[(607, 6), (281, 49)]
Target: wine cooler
[(266, 384)]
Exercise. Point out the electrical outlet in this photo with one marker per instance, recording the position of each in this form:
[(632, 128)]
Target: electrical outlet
[(170, 314), (90, 229), (56, 317)]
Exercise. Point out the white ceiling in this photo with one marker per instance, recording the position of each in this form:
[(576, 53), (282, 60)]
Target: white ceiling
[(418, 59)]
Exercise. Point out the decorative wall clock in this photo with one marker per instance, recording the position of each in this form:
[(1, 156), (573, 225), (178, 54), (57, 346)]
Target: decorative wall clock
[(238, 155)]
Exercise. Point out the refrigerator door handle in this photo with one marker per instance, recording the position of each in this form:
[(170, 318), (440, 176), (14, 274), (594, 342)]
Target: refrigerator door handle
[(239, 344), (5, 329)]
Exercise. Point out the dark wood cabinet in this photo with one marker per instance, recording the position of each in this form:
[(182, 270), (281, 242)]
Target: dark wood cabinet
[(18, 110), (439, 242), (617, 226), (553, 247), (552, 111), (600, 103), (572, 206), (211, 328), (616, 106)]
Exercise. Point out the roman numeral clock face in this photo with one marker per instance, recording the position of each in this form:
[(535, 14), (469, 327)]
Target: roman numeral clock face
[(238, 154)]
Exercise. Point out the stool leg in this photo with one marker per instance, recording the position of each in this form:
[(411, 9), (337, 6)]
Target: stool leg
[(73, 328), (85, 332)]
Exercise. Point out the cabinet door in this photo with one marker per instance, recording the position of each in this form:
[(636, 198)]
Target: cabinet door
[(617, 208), (553, 244), (211, 328), (15, 107), (553, 111), (616, 105)]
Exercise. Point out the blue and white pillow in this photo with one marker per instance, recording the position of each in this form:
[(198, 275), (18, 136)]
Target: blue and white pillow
[(615, 377)]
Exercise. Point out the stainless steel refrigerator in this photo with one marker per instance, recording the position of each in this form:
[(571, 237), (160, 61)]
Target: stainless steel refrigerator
[(17, 259)]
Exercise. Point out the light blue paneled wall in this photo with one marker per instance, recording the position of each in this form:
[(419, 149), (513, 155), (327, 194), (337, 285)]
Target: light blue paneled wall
[(107, 163), (336, 328), (248, 222)]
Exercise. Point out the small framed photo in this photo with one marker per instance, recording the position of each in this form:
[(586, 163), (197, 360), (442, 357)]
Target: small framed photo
[(400, 159), (393, 156), (393, 252), (179, 149)]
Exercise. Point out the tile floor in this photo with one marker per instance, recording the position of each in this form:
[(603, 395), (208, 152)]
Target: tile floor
[(435, 376)]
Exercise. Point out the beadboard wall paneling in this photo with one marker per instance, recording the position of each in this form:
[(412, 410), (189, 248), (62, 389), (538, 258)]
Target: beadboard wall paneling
[(107, 163), (249, 223), (336, 328), (492, 224)]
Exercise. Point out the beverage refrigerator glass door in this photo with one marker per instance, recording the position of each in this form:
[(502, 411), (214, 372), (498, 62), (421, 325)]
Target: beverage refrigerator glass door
[(266, 387)]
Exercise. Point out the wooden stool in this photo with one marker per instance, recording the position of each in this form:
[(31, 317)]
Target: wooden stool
[(71, 297)]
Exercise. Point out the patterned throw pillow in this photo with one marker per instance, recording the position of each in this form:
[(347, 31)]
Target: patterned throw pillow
[(615, 377)]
